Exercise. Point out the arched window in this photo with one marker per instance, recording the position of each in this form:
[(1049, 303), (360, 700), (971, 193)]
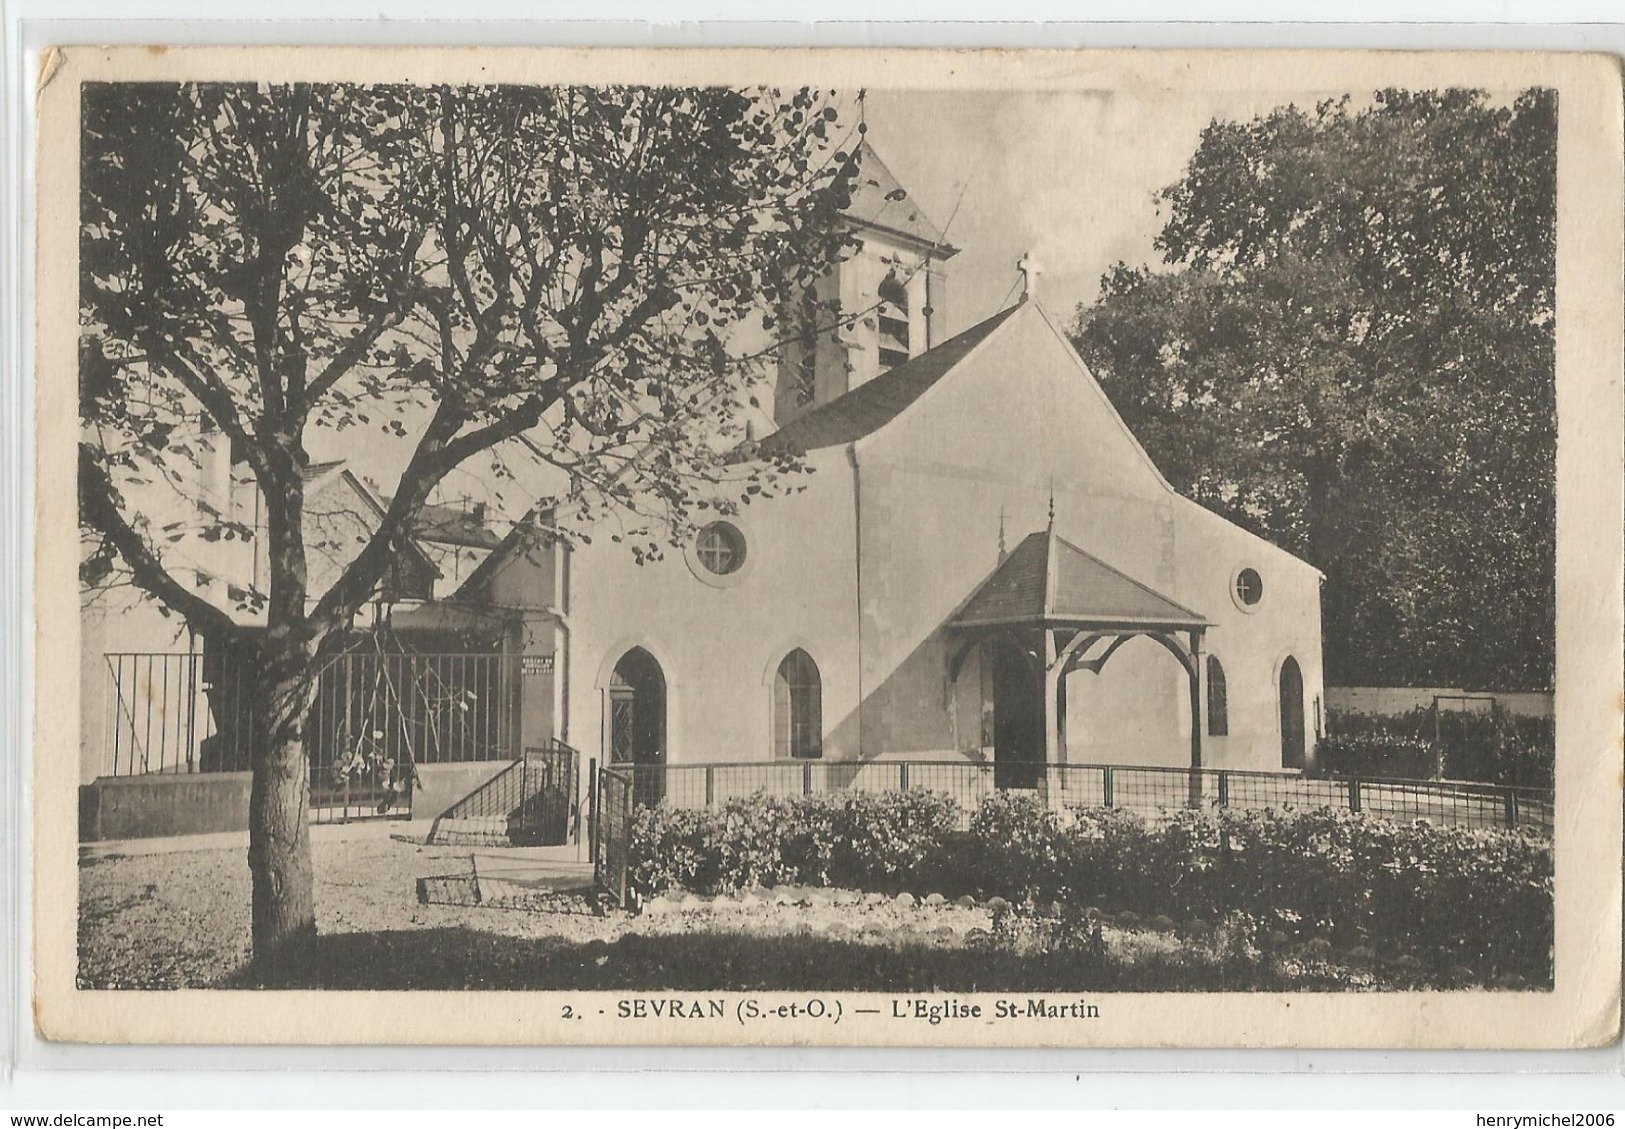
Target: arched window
[(893, 319), (1218, 699), (1293, 749), (798, 708)]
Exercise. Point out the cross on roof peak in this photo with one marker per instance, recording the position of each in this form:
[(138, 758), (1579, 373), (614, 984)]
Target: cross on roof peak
[(1030, 269)]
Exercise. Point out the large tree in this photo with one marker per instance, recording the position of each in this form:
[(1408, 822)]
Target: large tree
[(455, 267), (1349, 348)]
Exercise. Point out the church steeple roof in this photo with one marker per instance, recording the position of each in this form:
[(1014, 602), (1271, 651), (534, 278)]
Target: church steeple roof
[(879, 201)]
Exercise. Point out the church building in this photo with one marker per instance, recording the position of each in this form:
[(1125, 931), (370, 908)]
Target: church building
[(984, 566)]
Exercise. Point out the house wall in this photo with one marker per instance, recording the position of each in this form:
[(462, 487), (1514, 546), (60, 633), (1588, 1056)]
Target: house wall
[(1014, 420)]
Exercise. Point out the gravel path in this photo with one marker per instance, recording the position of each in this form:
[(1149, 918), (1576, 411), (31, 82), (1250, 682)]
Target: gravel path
[(181, 919)]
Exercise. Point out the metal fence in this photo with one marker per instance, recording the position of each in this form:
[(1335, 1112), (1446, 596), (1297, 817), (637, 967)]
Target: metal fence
[(376, 716), (1142, 788), (620, 789)]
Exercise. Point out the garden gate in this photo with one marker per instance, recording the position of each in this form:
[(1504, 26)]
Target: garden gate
[(612, 833)]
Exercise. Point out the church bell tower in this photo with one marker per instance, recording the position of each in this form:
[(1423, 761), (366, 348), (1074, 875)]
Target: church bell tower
[(880, 305)]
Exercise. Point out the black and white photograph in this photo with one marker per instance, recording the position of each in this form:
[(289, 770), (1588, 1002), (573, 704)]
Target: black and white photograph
[(859, 551)]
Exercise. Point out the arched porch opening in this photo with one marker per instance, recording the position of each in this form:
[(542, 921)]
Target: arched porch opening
[(1015, 688), (1130, 706)]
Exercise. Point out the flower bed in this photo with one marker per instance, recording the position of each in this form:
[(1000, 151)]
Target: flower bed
[(1449, 898)]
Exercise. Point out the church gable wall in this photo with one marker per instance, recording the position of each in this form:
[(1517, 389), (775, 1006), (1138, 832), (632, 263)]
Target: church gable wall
[(986, 445), (718, 643)]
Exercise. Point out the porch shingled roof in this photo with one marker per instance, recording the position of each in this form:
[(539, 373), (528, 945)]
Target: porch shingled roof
[(1047, 579)]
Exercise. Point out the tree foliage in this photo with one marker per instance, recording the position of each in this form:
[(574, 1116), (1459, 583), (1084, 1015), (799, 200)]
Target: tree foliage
[(456, 268), (1349, 348), (450, 266)]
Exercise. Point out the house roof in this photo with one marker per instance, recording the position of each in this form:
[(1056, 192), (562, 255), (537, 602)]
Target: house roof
[(455, 525), (879, 201), (1048, 579), (313, 471), (869, 406)]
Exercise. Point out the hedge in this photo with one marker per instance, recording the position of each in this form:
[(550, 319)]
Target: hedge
[(1455, 896), (1377, 754), (1497, 747), (1479, 898)]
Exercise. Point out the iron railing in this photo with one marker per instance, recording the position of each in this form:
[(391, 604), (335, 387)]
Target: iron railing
[(532, 802), (1142, 788), (376, 716)]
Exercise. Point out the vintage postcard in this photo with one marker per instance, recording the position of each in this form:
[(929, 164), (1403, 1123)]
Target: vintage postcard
[(982, 548)]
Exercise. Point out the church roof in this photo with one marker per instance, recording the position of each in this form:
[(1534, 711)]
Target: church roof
[(879, 201), (1048, 579), (869, 406)]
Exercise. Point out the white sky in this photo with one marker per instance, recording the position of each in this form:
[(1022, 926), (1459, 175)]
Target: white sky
[(1066, 176)]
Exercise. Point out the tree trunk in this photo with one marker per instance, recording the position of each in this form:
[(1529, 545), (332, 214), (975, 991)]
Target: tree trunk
[(284, 908)]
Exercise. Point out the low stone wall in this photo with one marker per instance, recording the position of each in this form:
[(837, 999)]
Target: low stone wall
[(158, 805), (163, 804)]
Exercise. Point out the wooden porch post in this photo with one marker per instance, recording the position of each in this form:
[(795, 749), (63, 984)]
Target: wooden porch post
[(1195, 672), (1051, 677)]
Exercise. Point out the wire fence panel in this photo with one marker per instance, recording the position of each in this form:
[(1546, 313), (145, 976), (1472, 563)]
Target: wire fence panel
[(1274, 790), (613, 835), (1151, 790)]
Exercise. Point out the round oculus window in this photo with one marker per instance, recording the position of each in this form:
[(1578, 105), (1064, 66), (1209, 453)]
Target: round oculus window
[(1249, 588), (720, 549)]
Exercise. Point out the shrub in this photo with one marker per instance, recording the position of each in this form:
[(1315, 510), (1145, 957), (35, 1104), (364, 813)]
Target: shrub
[(1482, 898), (1498, 747), (859, 840), (1377, 754), (1016, 846), (884, 838)]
